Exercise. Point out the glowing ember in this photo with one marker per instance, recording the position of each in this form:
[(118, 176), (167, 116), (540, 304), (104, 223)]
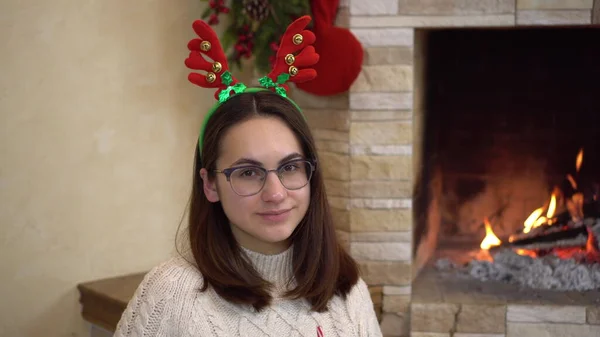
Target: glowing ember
[(490, 239)]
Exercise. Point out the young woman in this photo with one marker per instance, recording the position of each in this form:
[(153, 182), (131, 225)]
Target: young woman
[(265, 258)]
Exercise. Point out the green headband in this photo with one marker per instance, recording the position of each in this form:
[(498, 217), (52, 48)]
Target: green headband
[(238, 88)]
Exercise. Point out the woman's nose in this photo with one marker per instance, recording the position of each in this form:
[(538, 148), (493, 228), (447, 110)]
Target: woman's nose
[(273, 191)]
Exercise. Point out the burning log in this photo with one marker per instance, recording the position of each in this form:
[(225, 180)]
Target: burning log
[(584, 236), (561, 222)]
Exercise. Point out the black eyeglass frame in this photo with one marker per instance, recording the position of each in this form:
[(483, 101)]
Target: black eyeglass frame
[(228, 171)]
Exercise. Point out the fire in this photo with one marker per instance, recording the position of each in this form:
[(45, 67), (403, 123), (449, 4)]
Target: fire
[(574, 205), (531, 220), (579, 160), (553, 211), (551, 207), (572, 181), (490, 239)]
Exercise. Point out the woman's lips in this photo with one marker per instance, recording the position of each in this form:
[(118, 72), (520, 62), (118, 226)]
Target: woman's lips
[(276, 216)]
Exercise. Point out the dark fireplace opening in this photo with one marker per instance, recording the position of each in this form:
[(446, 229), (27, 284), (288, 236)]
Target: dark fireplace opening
[(510, 125)]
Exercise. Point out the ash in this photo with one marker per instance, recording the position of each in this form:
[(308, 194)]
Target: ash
[(548, 272)]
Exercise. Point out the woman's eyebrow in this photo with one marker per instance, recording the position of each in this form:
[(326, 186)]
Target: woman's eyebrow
[(250, 161), (289, 157)]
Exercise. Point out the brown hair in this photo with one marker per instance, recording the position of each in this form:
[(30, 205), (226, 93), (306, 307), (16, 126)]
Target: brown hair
[(321, 267)]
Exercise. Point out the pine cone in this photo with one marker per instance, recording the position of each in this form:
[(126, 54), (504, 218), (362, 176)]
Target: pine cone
[(257, 10)]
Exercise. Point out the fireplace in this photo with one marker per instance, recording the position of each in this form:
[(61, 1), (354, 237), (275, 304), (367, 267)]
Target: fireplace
[(509, 188), (508, 115)]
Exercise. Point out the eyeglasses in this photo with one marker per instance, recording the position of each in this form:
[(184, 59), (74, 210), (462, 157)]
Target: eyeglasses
[(250, 180)]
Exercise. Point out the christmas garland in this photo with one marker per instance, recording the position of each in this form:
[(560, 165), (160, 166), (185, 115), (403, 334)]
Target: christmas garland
[(256, 27)]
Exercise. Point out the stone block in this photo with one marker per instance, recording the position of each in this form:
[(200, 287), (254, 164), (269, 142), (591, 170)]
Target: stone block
[(552, 330), (343, 237), (392, 290), (306, 100), (381, 100), (381, 203), (555, 4), (381, 167), (332, 119), (394, 325), (475, 318), (396, 303), (433, 317), (334, 166), (554, 17), (381, 115), (341, 219), (342, 18), (388, 55), (383, 37), (545, 314), (387, 78), (326, 134), (432, 21), (455, 7), (337, 188), (334, 146), (384, 220), (376, 133), (339, 203), (385, 272), (381, 189), (405, 236), (596, 12), (374, 7), (381, 150), (381, 251), (593, 315), (429, 334)]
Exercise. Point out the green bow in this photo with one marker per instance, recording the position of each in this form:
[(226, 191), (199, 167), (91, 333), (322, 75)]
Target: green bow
[(268, 83), (225, 93)]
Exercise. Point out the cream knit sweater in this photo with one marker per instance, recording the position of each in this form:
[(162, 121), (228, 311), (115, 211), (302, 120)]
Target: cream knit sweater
[(168, 303)]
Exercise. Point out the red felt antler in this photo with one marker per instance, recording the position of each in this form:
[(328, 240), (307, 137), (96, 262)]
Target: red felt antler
[(296, 52), (209, 45)]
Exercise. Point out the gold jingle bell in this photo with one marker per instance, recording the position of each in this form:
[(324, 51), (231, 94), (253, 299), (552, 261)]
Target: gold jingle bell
[(217, 67), (205, 46), (210, 77), (298, 38), (293, 71), (289, 59)]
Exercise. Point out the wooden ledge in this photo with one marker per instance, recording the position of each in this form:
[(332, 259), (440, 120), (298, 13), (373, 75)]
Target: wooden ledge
[(104, 301)]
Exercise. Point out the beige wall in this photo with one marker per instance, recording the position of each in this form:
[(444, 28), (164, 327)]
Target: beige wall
[(97, 128)]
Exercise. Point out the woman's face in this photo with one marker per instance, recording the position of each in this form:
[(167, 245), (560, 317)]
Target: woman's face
[(262, 222)]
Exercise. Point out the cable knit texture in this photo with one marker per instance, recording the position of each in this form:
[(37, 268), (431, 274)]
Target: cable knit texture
[(168, 303)]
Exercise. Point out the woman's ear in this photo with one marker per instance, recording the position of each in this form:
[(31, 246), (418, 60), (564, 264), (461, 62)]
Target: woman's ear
[(210, 186)]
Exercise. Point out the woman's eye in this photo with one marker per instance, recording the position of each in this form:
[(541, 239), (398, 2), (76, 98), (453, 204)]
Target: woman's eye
[(290, 167), (247, 173)]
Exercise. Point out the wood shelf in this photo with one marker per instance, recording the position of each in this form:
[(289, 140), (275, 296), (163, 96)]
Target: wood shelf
[(104, 301)]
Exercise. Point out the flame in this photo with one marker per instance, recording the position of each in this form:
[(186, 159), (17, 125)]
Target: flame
[(575, 206), (531, 219), (572, 181), (551, 207), (490, 239), (579, 160)]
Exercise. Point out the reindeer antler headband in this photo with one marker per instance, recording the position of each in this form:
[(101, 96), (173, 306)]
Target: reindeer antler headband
[(295, 54)]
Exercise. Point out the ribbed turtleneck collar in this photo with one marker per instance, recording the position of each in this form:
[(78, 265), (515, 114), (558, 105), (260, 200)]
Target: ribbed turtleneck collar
[(276, 268)]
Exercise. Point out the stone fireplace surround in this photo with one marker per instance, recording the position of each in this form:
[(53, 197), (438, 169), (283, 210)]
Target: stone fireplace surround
[(369, 147)]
